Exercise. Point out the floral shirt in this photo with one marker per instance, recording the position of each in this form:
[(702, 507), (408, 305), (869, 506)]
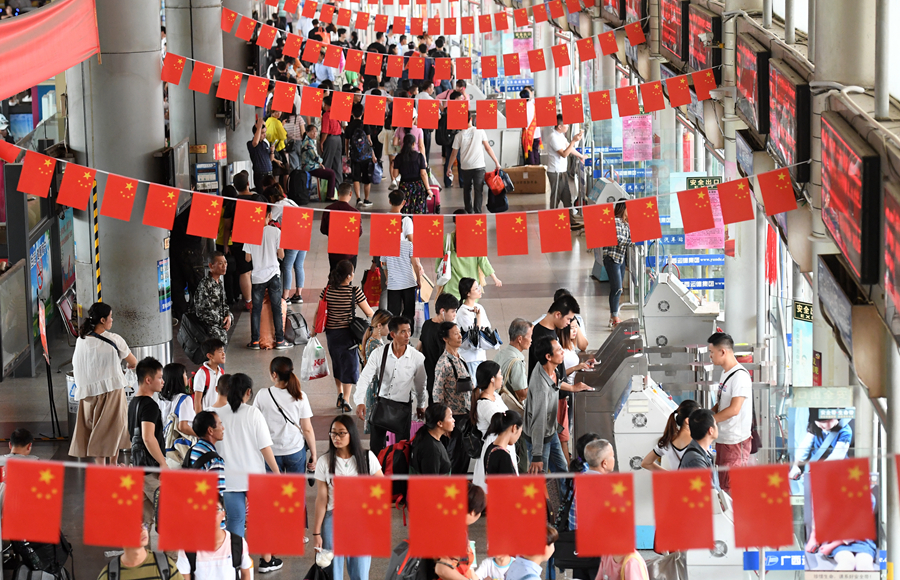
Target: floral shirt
[(445, 384), (211, 307), (309, 157)]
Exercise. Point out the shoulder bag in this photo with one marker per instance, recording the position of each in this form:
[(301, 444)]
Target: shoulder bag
[(463, 385), (283, 414), (566, 557), (508, 395), (322, 313), (444, 272), (387, 414)]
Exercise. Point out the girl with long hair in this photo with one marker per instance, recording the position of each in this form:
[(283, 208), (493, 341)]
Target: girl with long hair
[(614, 261), (675, 439), (485, 400), (507, 427), (346, 456), (376, 335), (175, 398), (429, 456), (472, 315), (412, 169)]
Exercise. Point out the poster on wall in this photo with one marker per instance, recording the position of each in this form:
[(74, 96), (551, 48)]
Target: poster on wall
[(713, 238), (41, 279), (801, 345), (637, 132), (67, 248), (164, 285)]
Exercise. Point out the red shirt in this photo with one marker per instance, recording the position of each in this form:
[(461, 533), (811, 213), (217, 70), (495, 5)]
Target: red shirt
[(329, 126)]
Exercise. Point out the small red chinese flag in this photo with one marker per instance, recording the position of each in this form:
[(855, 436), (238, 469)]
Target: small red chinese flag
[(489, 67), (296, 228), (511, 65), (450, 26), (545, 111), (574, 6), (311, 51), (539, 11), (586, 49), (309, 9), (429, 236), (685, 493), (9, 152), (343, 232), (188, 501), (643, 219), (375, 111), (512, 233), (560, 55), (246, 28), (33, 506), (605, 512), (572, 109), (608, 43), (118, 197), (429, 112), (311, 102), (354, 60), (290, 6), (173, 66), (417, 26), (517, 503), (471, 235), (76, 186), (201, 77), (556, 234), (37, 173), (266, 36), (257, 91), (457, 115), (467, 25), (536, 60), (381, 23), (600, 225), (635, 33), (362, 21), (696, 211), (416, 67), (159, 211), (384, 234), (437, 523), (484, 23), (501, 22), (520, 17), (292, 45), (736, 200), (627, 101), (228, 19), (679, 91), (464, 68), (601, 106), (249, 221), (341, 106), (443, 70), (486, 114), (652, 97), (556, 9), (283, 98), (362, 514), (326, 16), (113, 506), (516, 113), (373, 63), (399, 23), (704, 82), (203, 220), (394, 66), (344, 15), (762, 506), (229, 85), (777, 191), (278, 505), (332, 56), (434, 26), (842, 500)]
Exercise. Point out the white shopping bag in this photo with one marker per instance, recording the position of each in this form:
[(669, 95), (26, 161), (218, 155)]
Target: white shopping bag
[(314, 365)]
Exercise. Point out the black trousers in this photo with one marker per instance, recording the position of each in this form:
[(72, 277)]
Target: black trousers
[(459, 459), (426, 136), (378, 436), (333, 260), (403, 303)]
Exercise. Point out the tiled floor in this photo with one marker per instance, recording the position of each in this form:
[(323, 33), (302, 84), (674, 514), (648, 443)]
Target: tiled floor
[(528, 285)]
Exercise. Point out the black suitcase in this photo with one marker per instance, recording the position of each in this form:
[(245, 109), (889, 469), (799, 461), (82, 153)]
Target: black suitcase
[(191, 335)]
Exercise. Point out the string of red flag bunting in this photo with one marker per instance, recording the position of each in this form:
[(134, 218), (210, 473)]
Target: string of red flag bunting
[(735, 198), (517, 514)]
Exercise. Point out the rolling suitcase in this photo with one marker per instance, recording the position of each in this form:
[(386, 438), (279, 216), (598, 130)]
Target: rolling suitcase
[(433, 205)]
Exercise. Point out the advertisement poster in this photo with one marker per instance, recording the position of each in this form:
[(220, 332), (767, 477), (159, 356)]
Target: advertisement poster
[(41, 278), (801, 347), (164, 284), (712, 239), (67, 248), (677, 180), (637, 135)]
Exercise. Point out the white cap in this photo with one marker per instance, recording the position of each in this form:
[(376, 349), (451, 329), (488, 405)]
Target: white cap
[(4, 123)]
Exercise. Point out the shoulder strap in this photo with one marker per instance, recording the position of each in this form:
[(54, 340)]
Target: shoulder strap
[(162, 563), (280, 410), (208, 378), (237, 553), (204, 459), (628, 558), (137, 431), (104, 339), (384, 355), (112, 571), (192, 561), (825, 446), (178, 405)]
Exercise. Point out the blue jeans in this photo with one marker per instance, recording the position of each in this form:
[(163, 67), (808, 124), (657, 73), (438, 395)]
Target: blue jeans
[(293, 463), (293, 264), (357, 566), (616, 273), (258, 293), (235, 511), (552, 456)]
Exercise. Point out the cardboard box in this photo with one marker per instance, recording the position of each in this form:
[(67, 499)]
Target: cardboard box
[(529, 179)]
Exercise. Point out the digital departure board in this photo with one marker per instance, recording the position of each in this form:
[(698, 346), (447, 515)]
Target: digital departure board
[(634, 10), (789, 109), (851, 192), (614, 7), (702, 54), (674, 29), (752, 61), (892, 257)]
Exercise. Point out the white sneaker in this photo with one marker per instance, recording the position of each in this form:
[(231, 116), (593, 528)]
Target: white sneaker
[(394, 185)]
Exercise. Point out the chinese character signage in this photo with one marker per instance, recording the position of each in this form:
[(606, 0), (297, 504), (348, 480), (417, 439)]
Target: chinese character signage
[(789, 111), (803, 311), (801, 345), (704, 54), (752, 62), (673, 27), (695, 182)]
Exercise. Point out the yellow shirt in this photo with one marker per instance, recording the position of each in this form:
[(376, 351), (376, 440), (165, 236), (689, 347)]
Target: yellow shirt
[(275, 133)]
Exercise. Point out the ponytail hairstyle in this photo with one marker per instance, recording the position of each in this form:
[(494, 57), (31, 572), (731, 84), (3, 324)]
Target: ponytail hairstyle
[(577, 464), (97, 312), (676, 421), (237, 388), (343, 269), (283, 368), (434, 414), (500, 422), (484, 374), (381, 317)]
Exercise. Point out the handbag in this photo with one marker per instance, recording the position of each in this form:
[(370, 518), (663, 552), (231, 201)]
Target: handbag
[(507, 394), (377, 173), (507, 181), (140, 456), (495, 182), (358, 327), (463, 385), (472, 440), (321, 313), (388, 414), (566, 557), (444, 270)]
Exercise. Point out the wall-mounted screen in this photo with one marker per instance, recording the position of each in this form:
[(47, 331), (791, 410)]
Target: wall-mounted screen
[(789, 109), (634, 10), (703, 51), (752, 61), (614, 7), (892, 258), (674, 27)]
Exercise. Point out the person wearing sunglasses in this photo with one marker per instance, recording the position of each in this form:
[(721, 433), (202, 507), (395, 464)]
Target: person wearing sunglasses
[(230, 559)]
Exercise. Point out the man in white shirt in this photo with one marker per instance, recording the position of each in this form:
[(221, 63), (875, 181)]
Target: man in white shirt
[(471, 145), (559, 150), (426, 92), (733, 409), (404, 372), (266, 275)]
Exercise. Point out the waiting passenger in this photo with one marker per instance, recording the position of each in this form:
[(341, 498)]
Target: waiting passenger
[(429, 456), (704, 432), (209, 302), (675, 439)]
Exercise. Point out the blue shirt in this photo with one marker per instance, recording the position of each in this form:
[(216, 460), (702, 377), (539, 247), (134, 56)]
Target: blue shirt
[(523, 569), (216, 464), (573, 520), (260, 156)]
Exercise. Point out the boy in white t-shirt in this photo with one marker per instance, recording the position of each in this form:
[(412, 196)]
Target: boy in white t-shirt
[(207, 376), (733, 409), (494, 568), (219, 563)]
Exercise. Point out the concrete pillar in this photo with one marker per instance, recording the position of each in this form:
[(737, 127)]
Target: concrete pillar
[(892, 428), (116, 124), (237, 57)]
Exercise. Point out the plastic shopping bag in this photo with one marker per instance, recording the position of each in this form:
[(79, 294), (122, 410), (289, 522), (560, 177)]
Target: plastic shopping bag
[(421, 314), (313, 365)]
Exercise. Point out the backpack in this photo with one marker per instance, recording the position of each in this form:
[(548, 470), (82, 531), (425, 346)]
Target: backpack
[(39, 557), (441, 135), (360, 149), (402, 567), (201, 461), (394, 460), (237, 553), (162, 566), (178, 445)]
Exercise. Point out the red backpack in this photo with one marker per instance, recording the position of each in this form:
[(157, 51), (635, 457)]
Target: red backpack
[(394, 460)]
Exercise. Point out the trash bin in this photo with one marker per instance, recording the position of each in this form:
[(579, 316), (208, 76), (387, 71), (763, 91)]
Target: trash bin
[(72, 406)]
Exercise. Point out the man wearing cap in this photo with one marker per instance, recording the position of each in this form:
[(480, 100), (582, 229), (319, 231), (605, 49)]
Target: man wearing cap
[(4, 130)]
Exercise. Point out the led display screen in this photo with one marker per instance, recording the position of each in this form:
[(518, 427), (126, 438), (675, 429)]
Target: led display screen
[(789, 103), (614, 7), (851, 175), (634, 10), (892, 257), (674, 27), (700, 56), (752, 62)]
